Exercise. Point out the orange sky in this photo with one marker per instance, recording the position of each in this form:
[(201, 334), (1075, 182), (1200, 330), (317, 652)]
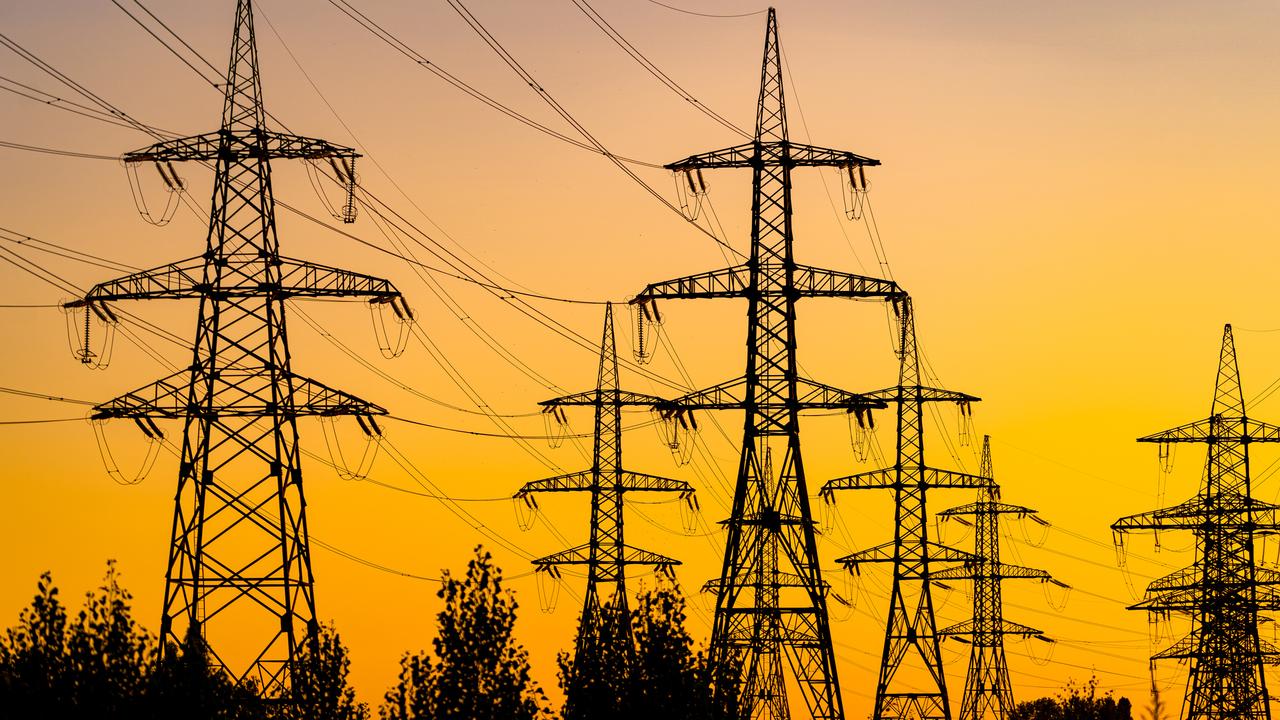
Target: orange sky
[(1075, 195)]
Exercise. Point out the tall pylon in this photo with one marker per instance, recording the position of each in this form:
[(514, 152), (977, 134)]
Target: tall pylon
[(605, 555), (239, 561), (911, 683), (1227, 587), (988, 694), (771, 599)]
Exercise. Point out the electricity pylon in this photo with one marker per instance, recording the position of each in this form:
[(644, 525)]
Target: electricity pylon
[(1226, 587), (239, 565), (770, 597), (987, 690), (911, 683), (606, 554)]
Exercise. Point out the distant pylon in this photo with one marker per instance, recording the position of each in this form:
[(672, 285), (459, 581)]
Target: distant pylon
[(911, 682), (987, 691), (605, 555), (239, 569), (1226, 587), (771, 599)]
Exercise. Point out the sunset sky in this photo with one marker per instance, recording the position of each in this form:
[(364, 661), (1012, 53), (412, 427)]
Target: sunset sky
[(1075, 194)]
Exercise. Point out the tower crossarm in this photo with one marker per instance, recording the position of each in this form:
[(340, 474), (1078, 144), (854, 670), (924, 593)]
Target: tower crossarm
[(1224, 429), (820, 282), (731, 395), (735, 282), (996, 508), (240, 144), (569, 482), (1007, 627), (170, 397), (643, 482), (608, 397), (791, 154), (886, 552), (581, 555), (778, 580), (892, 479), (979, 569), (724, 283), (188, 279), (1228, 510), (918, 393)]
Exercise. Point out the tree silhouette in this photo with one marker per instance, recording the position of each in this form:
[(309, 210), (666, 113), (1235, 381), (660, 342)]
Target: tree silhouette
[(479, 672), (641, 663), (320, 684), (33, 658), (109, 655), (599, 678), (1076, 702)]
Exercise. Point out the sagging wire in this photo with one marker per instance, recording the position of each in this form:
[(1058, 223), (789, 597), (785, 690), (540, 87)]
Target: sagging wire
[(1166, 452), (690, 512), (79, 317), (526, 510), (964, 423), (1122, 562), (1024, 519), (1060, 603), (862, 427), (1047, 658), (404, 321), (173, 184), (549, 583), (373, 435), (155, 440), (853, 177), (691, 189), (556, 425), (678, 429)]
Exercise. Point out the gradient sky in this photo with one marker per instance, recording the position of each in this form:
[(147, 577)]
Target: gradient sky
[(1075, 194)]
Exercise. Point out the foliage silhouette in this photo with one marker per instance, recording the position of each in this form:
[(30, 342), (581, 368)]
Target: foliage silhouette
[(1075, 702), (478, 671), (102, 665), (641, 662)]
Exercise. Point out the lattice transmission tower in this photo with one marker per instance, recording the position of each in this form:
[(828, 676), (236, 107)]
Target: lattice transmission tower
[(1227, 587), (911, 684), (987, 691), (605, 555), (239, 562), (771, 600)]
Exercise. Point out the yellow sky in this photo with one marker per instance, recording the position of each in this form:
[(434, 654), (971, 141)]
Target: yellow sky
[(1078, 197)]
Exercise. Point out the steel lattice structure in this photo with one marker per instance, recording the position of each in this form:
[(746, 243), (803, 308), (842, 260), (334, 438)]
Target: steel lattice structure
[(1226, 589), (770, 598), (606, 554), (987, 690), (239, 562), (911, 682)]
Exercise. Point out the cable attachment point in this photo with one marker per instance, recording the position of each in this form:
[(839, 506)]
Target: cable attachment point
[(964, 423), (548, 581), (526, 508), (403, 319), (155, 439), (373, 437), (648, 331), (345, 169), (689, 512), (690, 191), (556, 425), (679, 429), (853, 177), (80, 315)]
